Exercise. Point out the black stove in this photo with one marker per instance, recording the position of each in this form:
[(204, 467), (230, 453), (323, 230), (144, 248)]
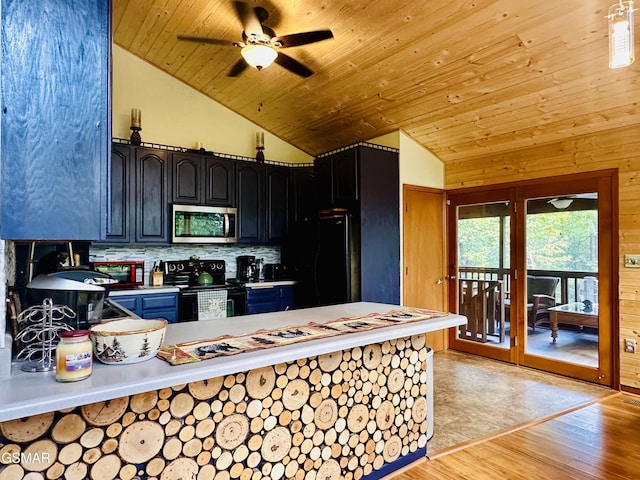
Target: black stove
[(184, 274)]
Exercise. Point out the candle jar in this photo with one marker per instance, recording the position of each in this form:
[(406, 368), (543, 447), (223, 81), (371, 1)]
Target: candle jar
[(74, 355)]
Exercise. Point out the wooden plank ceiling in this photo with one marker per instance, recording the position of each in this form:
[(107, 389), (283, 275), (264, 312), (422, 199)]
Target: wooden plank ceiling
[(464, 78)]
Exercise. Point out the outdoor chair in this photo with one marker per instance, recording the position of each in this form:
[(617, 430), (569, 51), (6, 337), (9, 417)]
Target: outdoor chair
[(481, 301), (541, 295)]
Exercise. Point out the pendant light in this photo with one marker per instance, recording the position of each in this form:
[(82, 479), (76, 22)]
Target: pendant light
[(621, 51), (560, 203)]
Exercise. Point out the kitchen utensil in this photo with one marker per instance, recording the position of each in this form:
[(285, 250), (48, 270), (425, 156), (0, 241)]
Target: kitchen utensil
[(205, 278), (85, 299), (157, 277), (39, 334), (246, 267), (259, 271)]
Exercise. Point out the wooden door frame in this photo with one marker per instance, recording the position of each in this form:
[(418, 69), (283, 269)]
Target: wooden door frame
[(496, 193), (603, 181), (606, 186)]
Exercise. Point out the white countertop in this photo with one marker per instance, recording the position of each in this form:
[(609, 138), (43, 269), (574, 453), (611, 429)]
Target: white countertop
[(144, 290), (269, 283), (25, 394)]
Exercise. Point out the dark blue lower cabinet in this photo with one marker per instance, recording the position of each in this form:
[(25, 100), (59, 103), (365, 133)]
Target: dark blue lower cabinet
[(263, 299), (130, 302), (156, 305), (287, 299), (272, 298)]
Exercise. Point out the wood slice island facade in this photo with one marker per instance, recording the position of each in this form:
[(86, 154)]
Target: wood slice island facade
[(353, 406)]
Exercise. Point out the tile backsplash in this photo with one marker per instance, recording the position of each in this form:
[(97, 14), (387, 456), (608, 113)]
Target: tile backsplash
[(150, 254)]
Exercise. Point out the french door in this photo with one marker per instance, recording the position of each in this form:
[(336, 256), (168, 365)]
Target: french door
[(531, 266)]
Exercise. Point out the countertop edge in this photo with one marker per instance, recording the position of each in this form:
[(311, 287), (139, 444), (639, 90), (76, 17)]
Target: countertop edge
[(21, 396), (143, 291), (270, 283)]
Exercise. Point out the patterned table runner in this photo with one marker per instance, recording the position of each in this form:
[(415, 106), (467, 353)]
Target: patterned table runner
[(197, 351)]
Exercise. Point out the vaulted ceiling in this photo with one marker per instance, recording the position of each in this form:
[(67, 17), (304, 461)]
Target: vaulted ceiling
[(463, 78)]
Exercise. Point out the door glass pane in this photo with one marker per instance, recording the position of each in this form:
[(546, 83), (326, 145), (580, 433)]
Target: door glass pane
[(483, 272), (562, 278)]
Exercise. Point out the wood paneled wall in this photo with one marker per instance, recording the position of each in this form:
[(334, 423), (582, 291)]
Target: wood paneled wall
[(618, 148)]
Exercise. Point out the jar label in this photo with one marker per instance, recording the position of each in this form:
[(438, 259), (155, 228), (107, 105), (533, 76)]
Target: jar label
[(77, 361)]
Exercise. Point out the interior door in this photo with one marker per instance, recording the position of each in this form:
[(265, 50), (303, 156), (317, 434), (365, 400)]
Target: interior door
[(423, 253)]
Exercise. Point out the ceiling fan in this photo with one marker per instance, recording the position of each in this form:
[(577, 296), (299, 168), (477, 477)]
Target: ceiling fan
[(260, 45)]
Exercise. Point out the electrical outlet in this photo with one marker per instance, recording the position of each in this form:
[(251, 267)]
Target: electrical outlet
[(629, 345)]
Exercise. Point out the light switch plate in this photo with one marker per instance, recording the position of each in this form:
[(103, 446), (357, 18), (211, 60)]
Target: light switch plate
[(632, 261), (629, 345)]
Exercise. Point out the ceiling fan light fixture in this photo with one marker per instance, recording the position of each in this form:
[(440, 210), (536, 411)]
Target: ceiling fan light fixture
[(259, 56), (561, 203), (621, 50)]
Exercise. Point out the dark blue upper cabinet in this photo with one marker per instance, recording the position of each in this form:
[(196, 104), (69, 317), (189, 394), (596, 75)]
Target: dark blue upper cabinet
[(55, 119)]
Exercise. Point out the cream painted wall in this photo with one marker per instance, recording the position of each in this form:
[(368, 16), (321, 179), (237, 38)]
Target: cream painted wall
[(389, 140), (418, 166), (176, 114)]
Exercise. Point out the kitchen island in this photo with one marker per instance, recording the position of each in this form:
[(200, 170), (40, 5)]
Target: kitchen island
[(348, 406)]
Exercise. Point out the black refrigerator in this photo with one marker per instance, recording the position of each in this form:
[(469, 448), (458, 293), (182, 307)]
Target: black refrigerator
[(337, 262), (355, 260)]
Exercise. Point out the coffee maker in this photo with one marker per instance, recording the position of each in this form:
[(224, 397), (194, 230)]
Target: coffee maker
[(247, 270)]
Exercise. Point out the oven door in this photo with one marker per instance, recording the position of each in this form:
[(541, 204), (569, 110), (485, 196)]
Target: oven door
[(188, 302)]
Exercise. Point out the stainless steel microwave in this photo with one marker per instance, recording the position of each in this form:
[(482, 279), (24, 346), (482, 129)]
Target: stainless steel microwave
[(203, 224)]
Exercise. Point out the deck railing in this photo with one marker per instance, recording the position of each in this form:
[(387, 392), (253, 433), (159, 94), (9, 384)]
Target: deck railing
[(569, 290)]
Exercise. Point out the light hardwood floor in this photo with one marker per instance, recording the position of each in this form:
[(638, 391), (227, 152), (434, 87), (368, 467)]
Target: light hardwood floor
[(597, 441)]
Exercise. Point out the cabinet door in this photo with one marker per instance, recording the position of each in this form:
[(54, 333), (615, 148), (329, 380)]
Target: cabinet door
[(121, 191), (187, 178), (161, 305), (250, 201), (56, 119), (345, 178), (151, 196), (130, 302), (220, 182), (277, 200), (303, 195), (323, 172), (287, 297), (263, 300)]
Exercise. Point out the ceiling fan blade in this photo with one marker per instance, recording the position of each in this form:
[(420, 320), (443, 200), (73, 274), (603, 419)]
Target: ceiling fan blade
[(238, 68), (212, 41), (304, 38), (249, 19), (292, 65)]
